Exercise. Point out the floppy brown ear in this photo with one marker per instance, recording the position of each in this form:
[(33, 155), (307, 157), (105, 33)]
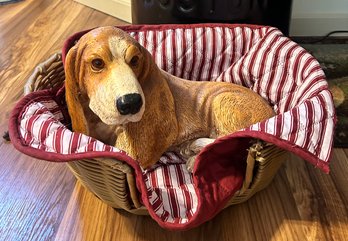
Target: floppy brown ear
[(147, 64), (72, 92)]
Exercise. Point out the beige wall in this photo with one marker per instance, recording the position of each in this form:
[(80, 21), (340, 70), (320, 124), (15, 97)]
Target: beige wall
[(117, 8), (318, 17)]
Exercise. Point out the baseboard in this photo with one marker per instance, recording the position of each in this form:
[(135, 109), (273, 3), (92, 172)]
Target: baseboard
[(118, 8), (318, 24)]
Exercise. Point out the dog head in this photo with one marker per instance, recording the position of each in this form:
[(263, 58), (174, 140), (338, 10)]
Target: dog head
[(104, 70), (109, 80)]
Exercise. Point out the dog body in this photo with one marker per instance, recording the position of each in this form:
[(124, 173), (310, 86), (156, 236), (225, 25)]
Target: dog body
[(117, 94)]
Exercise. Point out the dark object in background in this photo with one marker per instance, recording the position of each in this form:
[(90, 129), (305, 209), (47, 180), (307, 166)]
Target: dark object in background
[(339, 90), (265, 12), (332, 55), (6, 136), (3, 2)]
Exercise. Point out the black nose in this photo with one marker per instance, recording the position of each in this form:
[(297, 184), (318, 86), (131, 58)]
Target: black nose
[(129, 104)]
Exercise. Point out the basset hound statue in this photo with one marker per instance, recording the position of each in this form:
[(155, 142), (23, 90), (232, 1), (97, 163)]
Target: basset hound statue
[(117, 94)]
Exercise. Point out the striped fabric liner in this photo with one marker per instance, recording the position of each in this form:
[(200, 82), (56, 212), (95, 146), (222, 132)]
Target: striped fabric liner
[(171, 190), (261, 59), (41, 128), (169, 185)]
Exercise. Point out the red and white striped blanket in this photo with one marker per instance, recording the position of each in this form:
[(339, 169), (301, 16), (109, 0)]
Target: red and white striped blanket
[(258, 57)]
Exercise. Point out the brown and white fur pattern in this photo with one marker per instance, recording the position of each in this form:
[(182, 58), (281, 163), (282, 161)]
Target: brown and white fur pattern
[(171, 114)]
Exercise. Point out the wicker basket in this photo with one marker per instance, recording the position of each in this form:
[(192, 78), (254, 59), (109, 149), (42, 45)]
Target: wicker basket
[(113, 181)]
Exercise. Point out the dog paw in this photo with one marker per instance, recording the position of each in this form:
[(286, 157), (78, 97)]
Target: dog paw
[(190, 150), (190, 163), (185, 150), (197, 145)]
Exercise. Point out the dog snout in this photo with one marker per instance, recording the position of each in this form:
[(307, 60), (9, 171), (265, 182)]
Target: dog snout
[(129, 104)]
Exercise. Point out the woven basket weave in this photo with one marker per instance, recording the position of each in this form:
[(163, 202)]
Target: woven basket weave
[(113, 181)]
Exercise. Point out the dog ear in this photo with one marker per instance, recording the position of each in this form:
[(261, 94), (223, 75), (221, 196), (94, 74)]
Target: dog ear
[(72, 92), (147, 64)]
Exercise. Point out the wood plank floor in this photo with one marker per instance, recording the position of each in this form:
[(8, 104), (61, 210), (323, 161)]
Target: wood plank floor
[(43, 201)]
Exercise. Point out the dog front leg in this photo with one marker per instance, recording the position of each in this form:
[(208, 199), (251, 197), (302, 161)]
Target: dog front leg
[(189, 150)]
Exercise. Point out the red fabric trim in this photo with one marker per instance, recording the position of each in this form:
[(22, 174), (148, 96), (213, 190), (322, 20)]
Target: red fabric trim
[(137, 28), (69, 43)]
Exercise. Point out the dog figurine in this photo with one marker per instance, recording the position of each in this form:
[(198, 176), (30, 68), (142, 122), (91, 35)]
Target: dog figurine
[(117, 94)]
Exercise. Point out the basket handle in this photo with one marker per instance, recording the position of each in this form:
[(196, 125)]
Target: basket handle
[(41, 69), (253, 155)]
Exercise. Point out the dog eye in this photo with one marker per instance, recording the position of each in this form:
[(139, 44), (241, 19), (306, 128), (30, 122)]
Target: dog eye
[(97, 64), (134, 61)]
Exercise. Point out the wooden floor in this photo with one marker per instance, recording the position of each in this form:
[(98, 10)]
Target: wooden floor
[(43, 201)]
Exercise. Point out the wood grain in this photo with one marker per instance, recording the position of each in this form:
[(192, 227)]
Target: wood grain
[(43, 201)]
